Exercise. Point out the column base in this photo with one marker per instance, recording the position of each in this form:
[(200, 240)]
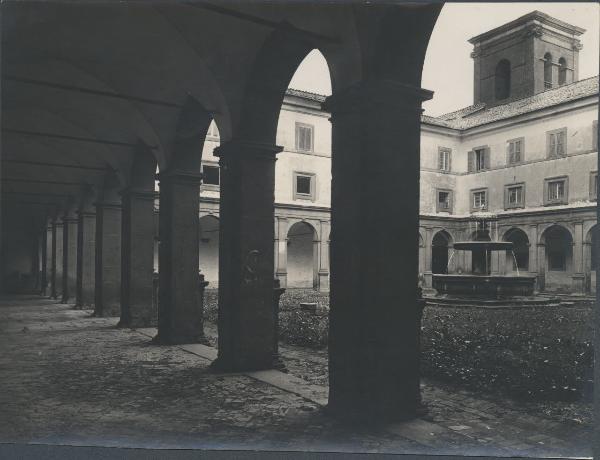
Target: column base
[(107, 313), (323, 281), (179, 340), (578, 283), (356, 416), (225, 365)]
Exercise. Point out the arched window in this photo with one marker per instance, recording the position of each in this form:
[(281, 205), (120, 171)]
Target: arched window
[(562, 71), (502, 80), (547, 71)]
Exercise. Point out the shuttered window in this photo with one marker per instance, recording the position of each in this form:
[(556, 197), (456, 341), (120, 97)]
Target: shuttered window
[(444, 201), (515, 151), (556, 190), (304, 137), (479, 159), (557, 143), (479, 200), (444, 159)]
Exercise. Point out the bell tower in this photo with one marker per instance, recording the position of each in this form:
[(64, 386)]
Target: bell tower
[(531, 54)]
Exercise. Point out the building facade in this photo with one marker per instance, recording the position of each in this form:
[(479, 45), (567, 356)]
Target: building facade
[(526, 150)]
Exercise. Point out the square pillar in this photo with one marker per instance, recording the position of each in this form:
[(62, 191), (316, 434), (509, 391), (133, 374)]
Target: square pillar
[(44, 261), (578, 276), (50, 247), (428, 274), (69, 259), (86, 258), (246, 258), (58, 259), (281, 229), (137, 259), (324, 257), (374, 324), (180, 306), (107, 286)]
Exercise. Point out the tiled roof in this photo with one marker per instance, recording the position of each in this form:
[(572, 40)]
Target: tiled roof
[(476, 115), (305, 94)]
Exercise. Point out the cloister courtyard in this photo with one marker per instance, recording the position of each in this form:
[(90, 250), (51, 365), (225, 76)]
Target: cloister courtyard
[(70, 378)]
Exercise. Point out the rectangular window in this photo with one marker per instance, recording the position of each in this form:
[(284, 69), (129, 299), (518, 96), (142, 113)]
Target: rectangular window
[(514, 196), (304, 186), (479, 159), (304, 137), (594, 185), (479, 200), (515, 151), (557, 143), (556, 190), (444, 201), (210, 175), (444, 159)]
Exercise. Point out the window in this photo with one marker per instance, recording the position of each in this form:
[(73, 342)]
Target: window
[(479, 159), (557, 143), (547, 71), (502, 80), (444, 201), (444, 159), (479, 200), (514, 196), (594, 185), (304, 137), (210, 175), (562, 71), (304, 186), (515, 151), (556, 190)]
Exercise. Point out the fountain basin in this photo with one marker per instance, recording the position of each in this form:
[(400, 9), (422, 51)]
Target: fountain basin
[(486, 286)]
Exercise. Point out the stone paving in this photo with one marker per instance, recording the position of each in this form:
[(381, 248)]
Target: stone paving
[(68, 378)]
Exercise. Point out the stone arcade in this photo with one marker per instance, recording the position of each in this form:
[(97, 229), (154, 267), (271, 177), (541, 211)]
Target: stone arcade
[(94, 96)]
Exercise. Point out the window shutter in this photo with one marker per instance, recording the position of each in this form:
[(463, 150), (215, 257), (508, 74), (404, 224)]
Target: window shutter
[(471, 160), (441, 160), (560, 144), (450, 161), (487, 158), (450, 200), (552, 152)]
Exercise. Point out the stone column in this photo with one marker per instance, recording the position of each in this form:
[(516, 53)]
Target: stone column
[(246, 265), (541, 266), (324, 257), (69, 258), (374, 320), (44, 261), (50, 247), (137, 259), (58, 259), (578, 275), (86, 258), (107, 286), (427, 273), (281, 229), (180, 308)]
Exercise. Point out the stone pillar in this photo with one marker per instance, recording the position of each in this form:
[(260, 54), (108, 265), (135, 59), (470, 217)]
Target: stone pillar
[(374, 320), (246, 265), (137, 259), (541, 266), (281, 229), (86, 258), (107, 286), (58, 259), (180, 308), (69, 258), (578, 276), (427, 273), (324, 257), (44, 261), (50, 247)]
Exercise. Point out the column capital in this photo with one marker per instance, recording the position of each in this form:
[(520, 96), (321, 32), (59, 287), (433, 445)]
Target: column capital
[(378, 93), (252, 149), (179, 176)]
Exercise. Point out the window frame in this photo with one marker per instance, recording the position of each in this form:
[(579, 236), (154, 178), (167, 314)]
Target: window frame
[(521, 140), (549, 154), (443, 150), (507, 188), (547, 182), (211, 186), (472, 198), (438, 208), (303, 196), (300, 125)]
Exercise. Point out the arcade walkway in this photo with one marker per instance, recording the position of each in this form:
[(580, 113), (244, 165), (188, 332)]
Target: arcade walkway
[(68, 378)]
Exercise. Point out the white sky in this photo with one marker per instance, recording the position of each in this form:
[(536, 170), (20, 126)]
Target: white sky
[(448, 67)]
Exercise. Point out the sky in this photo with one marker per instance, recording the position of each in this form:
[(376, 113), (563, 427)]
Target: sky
[(448, 69)]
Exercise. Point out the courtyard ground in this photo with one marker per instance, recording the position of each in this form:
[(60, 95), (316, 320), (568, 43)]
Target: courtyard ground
[(68, 378)]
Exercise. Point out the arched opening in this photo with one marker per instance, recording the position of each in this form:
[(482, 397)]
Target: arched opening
[(547, 71), (301, 247), (440, 245), (481, 263), (208, 249), (562, 71), (559, 256), (502, 79), (518, 258)]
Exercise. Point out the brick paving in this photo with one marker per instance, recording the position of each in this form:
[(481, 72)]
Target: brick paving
[(68, 378)]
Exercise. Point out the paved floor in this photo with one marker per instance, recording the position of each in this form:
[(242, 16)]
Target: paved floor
[(68, 378)]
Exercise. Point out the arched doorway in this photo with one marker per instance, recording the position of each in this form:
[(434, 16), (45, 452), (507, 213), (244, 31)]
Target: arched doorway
[(301, 257), (518, 258), (559, 258), (440, 252), (209, 249)]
